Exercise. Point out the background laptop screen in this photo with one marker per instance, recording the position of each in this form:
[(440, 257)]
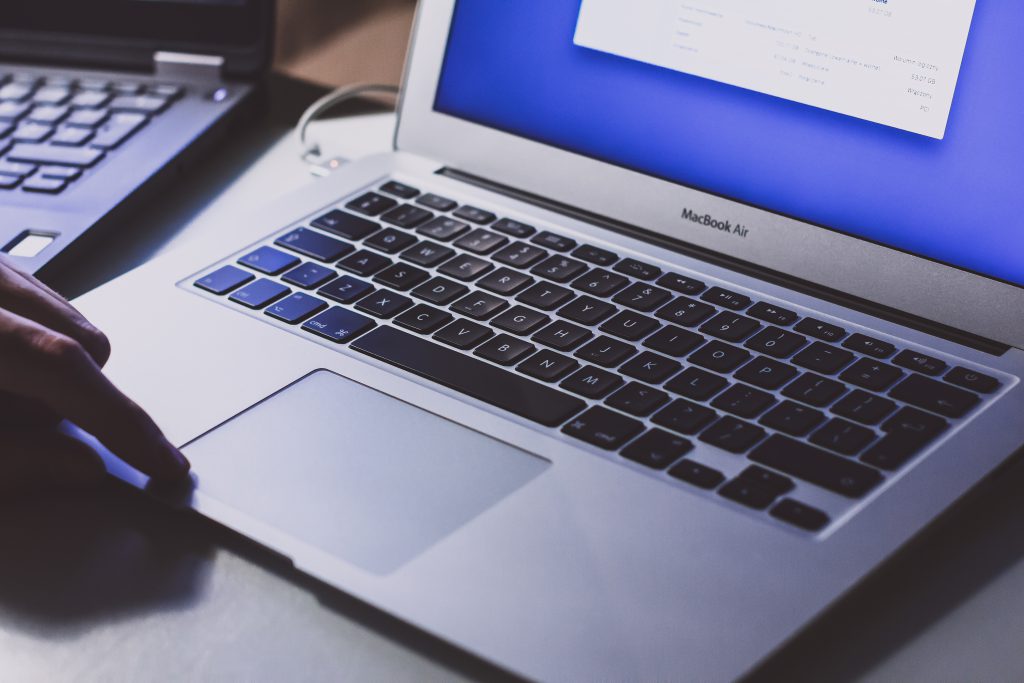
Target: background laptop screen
[(846, 114)]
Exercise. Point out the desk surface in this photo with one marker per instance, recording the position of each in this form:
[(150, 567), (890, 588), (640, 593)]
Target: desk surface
[(110, 586)]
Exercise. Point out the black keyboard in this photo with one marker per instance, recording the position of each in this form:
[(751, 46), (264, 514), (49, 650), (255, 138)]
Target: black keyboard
[(54, 129), (619, 354)]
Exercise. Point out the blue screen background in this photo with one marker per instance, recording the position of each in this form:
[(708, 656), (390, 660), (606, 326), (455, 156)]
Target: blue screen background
[(512, 65)]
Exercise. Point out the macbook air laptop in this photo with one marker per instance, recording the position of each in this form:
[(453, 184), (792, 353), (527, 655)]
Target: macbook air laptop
[(661, 327), (102, 103)]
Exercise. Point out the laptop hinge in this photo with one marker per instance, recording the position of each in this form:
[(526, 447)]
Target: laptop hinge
[(185, 65)]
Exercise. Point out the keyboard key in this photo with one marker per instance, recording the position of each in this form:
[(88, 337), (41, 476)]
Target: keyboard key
[(935, 396), (637, 399), (364, 263), (463, 334), (383, 304), (345, 289), (814, 389), (71, 136), (697, 384), (471, 376), (338, 324), (37, 132), (907, 433), (605, 351), (674, 341), (682, 284), (771, 481), (438, 203), (465, 267), (8, 182), (87, 118), (505, 281), (547, 365), (772, 314), (60, 172), (642, 297), (971, 379), (699, 475), (313, 244), (823, 358), (863, 407), (550, 240), (427, 254), (919, 362), (423, 319), (775, 342), (563, 336), (401, 276), (586, 310), (637, 269), (58, 156), (595, 255), (513, 228), (443, 228), (479, 305), (407, 216), (440, 291), (719, 356), (520, 255), (398, 189), (870, 374), (44, 185), (730, 434), (813, 465), (891, 453), (371, 204), (474, 215), (744, 401), (295, 308), (259, 293), (223, 280), (730, 327), (520, 320), (309, 275), (390, 241), (686, 312), (591, 382), (545, 296), (684, 416), (345, 225), (126, 88), (843, 437), (603, 428), (117, 128), (869, 346), (18, 170), (505, 349), (793, 418), (726, 299), (820, 330), (657, 449), (650, 367), (481, 241), (170, 91), (13, 111), (142, 104), (630, 326), (748, 493), (558, 268), (766, 373), (268, 260), (600, 282), (800, 515)]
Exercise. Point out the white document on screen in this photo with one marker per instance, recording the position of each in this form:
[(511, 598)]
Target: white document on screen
[(893, 62)]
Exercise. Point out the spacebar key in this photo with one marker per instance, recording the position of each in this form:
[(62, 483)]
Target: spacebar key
[(470, 376), (51, 154)]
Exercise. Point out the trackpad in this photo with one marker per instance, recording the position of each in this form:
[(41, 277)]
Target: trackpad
[(357, 473)]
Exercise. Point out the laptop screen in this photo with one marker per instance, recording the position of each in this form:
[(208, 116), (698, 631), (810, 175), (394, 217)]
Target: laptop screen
[(846, 114)]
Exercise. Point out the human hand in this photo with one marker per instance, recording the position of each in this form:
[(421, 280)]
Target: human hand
[(50, 369)]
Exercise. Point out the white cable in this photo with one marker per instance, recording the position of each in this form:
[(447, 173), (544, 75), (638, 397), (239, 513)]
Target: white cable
[(311, 149)]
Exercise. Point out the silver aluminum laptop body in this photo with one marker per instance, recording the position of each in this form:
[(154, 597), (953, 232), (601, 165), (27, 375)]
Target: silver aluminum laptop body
[(551, 558)]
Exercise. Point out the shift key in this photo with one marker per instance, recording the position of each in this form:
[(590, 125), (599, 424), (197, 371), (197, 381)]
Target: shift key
[(54, 155), (813, 465), (117, 129)]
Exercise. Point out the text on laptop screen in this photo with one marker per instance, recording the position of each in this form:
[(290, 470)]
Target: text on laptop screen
[(891, 120)]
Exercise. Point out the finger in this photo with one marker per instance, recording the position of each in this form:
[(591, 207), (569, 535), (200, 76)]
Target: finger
[(20, 413), (37, 460), (39, 363), (24, 295)]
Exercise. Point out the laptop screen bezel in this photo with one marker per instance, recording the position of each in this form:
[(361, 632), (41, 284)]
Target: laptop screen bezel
[(816, 254)]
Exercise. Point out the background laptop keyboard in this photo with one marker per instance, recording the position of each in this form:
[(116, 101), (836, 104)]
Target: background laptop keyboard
[(614, 352), (53, 129)]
